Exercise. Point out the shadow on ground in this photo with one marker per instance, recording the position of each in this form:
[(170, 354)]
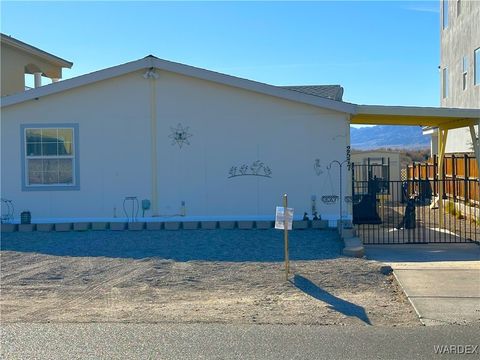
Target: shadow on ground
[(183, 245), (423, 252), (335, 303)]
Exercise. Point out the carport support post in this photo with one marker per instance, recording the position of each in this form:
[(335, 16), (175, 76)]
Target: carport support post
[(442, 141), (285, 235), (475, 144)]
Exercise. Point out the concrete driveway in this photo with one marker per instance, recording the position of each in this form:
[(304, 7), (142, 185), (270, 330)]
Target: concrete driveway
[(442, 281)]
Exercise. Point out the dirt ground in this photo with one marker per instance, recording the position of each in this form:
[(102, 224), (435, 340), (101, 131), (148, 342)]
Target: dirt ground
[(40, 285)]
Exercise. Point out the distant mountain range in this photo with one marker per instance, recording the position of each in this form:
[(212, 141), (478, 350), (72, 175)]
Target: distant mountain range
[(383, 136)]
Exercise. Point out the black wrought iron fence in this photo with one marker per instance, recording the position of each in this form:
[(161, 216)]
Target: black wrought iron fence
[(411, 212)]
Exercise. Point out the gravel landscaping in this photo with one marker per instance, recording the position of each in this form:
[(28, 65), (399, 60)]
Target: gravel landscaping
[(226, 276)]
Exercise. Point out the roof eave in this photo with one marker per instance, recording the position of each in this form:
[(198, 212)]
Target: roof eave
[(208, 75), (419, 116), (36, 51), (75, 82), (417, 111)]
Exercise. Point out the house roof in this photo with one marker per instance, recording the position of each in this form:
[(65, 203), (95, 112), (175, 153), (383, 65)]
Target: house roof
[(35, 51), (311, 95), (156, 63), (334, 92)]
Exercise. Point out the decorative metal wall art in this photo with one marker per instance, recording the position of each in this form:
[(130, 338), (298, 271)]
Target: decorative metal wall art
[(257, 168), (317, 167), (180, 135)]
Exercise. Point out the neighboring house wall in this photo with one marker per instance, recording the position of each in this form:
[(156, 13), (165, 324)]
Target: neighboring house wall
[(459, 40), (12, 70), (18, 59), (376, 158), (228, 127), (458, 141)]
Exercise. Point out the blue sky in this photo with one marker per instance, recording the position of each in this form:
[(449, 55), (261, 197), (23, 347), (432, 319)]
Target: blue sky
[(381, 52)]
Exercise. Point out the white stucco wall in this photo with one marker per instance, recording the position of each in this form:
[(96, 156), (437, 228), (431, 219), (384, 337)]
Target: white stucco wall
[(229, 127), (458, 141)]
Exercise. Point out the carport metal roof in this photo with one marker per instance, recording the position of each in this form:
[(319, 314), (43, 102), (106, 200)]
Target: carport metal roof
[(445, 118)]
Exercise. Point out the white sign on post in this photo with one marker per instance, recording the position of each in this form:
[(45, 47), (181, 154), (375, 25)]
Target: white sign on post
[(280, 218)]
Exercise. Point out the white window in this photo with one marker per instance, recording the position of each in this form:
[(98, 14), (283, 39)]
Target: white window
[(50, 157), (444, 83), (476, 66), (464, 72), (445, 13)]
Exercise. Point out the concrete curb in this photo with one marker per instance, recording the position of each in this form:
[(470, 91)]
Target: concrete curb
[(62, 227), (81, 226), (347, 233), (117, 226), (136, 226), (300, 225), (408, 297), (353, 247), (264, 225), (226, 225), (172, 225), (26, 227), (208, 225), (8, 228), (319, 224), (245, 225), (44, 227), (154, 226), (99, 226), (190, 225)]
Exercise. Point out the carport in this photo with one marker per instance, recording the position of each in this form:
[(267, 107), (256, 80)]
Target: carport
[(444, 119)]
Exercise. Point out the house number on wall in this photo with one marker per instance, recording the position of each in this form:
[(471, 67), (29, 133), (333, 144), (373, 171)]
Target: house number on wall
[(348, 158)]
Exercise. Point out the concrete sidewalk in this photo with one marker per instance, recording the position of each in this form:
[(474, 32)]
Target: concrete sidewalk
[(442, 281)]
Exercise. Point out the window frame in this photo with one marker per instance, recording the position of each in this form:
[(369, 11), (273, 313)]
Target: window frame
[(444, 14), (476, 67), (464, 73), (75, 158), (445, 82)]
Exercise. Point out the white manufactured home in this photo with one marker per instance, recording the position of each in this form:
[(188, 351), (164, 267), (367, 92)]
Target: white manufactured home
[(185, 142), (191, 141)]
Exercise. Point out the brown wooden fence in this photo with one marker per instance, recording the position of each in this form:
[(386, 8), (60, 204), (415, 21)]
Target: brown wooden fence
[(455, 168)]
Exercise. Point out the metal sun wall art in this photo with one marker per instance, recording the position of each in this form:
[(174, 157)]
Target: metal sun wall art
[(180, 135), (258, 168)]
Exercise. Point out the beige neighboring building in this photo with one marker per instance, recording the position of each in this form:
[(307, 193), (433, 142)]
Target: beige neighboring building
[(379, 157), (459, 67), (19, 59)]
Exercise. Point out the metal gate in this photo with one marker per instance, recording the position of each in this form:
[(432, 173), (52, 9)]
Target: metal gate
[(407, 212)]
